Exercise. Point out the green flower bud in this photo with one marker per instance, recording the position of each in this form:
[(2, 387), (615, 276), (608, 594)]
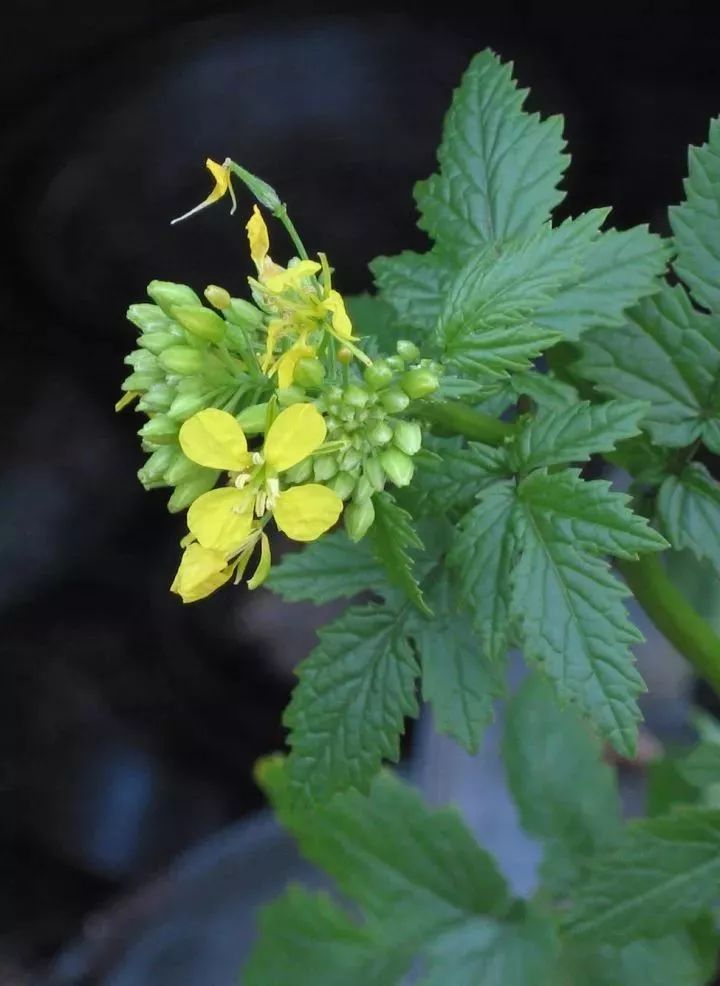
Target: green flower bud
[(359, 518), (378, 375), (155, 342), (324, 467), (182, 469), (309, 372), (139, 381), (166, 294), (158, 398), (396, 363), (264, 193), (394, 400), (191, 385), (333, 395), (182, 360), (160, 430), (149, 318), (355, 396), (350, 459), (363, 489), (398, 466), (300, 473), (375, 473), (407, 351), (190, 489), (419, 383), (217, 297), (408, 437), (380, 434), (152, 473), (142, 361), (290, 395), (343, 484), (185, 405), (244, 314), (252, 419), (200, 322)]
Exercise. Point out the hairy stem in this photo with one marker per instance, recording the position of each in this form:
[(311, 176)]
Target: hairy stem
[(456, 418), (674, 617)]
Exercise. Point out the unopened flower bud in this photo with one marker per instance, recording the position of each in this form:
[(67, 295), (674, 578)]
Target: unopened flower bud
[(252, 419), (375, 473), (309, 372), (355, 396), (200, 322), (359, 518), (155, 342), (324, 467), (396, 363), (181, 469), (398, 466), (167, 294), (343, 484), (139, 381), (300, 473), (407, 351), (152, 473), (149, 318), (159, 430), (350, 459), (408, 437), (189, 490), (345, 355), (290, 395), (218, 297), (264, 193), (244, 314), (158, 398), (380, 434), (185, 405), (363, 489), (182, 359), (142, 361), (378, 375), (419, 383), (394, 400)]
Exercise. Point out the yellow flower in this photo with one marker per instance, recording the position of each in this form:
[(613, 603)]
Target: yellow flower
[(223, 185), (227, 522)]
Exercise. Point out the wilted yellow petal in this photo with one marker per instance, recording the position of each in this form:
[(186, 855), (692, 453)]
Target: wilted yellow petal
[(294, 435), (213, 438), (221, 174), (127, 398), (306, 512), (340, 319), (201, 572), (258, 238), (221, 519), (263, 569), (288, 278)]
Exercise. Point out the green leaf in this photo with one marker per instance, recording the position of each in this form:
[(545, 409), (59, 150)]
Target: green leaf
[(647, 463), (499, 166), (494, 953), (618, 269), (662, 873), (667, 961), (456, 472), (418, 871), (565, 794), (575, 628), (587, 514), (669, 355), (483, 555), (574, 433), (688, 508), (666, 787), (375, 320), (347, 711), (391, 535), (414, 285), (696, 223), (457, 677), (486, 325), (330, 568), (307, 940), (701, 767), (545, 389)]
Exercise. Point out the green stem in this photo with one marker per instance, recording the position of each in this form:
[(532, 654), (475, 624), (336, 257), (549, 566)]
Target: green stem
[(674, 617), (456, 418), (282, 215)]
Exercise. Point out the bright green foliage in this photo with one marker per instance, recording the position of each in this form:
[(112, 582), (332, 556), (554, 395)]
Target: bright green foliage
[(375, 320), (696, 223), (669, 355), (456, 472), (701, 767), (330, 568), (666, 961), (392, 536), (499, 166), (564, 793), (689, 512), (670, 872), (414, 285), (544, 389)]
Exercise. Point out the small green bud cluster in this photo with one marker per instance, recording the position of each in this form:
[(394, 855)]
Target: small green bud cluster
[(188, 358)]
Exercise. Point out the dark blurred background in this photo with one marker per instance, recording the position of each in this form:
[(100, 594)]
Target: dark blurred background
[(130, 724)]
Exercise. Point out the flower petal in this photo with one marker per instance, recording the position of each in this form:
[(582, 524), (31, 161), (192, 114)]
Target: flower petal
[(221, 519), (214, 438), (263, 569), (201, 572), (258, 238), (341, 323), (294, 435), (305, 512), (222, 185), (288, 278), (288, 361)]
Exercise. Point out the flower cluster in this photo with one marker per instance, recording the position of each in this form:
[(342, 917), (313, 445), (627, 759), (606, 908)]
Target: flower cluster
[(275, 396)]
